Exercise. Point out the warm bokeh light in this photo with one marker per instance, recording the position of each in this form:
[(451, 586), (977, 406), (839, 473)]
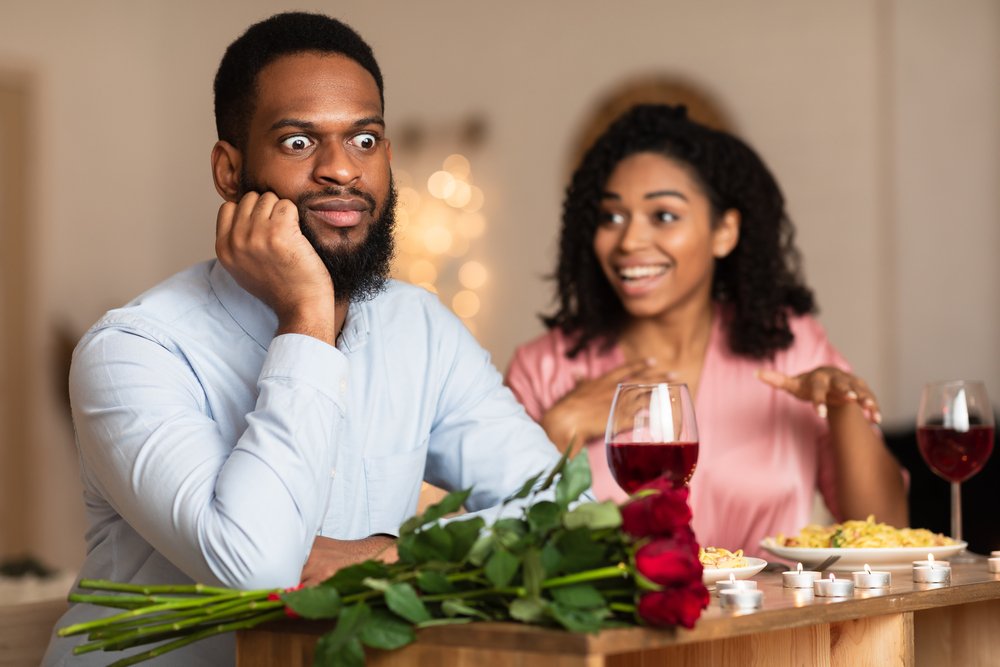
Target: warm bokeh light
[(472, 275), (441, 184), (459, 246), (409, 199), (423, 271), (458, 165), (471, 225), (465, 304), (460, 196), (437, 239), (475, 200)]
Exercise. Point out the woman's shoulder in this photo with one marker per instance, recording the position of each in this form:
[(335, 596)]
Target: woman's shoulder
[(551, 344)]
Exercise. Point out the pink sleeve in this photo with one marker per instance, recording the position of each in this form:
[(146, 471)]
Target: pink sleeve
[(522, 379)]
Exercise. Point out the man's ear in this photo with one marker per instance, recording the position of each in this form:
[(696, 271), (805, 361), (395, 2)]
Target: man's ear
[(726, 234), (227, 165)]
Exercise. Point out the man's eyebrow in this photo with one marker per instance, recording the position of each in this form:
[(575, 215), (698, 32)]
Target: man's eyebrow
[(298, 123)]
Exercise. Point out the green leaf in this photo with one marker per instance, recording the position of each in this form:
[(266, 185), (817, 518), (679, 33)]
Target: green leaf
[(575, 480), (444, 621), (341, 647), (578, 596), (501, 567), (402, 599), (527, 610), (459, 608), (386, 631), (526, 488), (532, 572), (544, 516), (481, 549), (580, 552), (316, 602), (430, 581), (594, 516), (450, 503), (431, 544), (509, 531), (579, 620), (463, 536), (350, 579), (557, 468), (551, 558)]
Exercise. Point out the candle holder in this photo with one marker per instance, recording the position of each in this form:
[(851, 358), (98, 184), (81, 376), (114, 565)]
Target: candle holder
[(870, 579), (994, 563), (799, 578), (931, 562), (734, 584), (931, 574), (833, 587), (741, 599)]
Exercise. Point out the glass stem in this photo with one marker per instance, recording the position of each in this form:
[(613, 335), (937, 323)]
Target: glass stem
[(956, 510)]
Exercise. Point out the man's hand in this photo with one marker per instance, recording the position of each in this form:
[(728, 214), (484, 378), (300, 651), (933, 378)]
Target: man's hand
[(329, 555), (260, 244)]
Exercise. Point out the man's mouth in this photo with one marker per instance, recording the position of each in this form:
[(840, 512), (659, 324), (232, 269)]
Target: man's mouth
[(340, 211)]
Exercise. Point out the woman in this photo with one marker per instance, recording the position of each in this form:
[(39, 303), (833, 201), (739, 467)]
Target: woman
[(676, 260)]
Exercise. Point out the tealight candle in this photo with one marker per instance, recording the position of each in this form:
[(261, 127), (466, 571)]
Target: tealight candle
[(931, 574), (869, 579), (734, 584), (931, 562), (741, 598), (994, 564), (799, 578), (833, 587), (995, 554)]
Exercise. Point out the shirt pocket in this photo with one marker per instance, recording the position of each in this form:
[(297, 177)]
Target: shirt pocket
[(393, 488)]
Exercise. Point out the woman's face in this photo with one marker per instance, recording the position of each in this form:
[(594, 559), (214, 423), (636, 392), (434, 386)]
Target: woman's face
[(656, 241)]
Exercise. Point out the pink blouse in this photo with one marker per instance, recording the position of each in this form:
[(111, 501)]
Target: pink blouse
[(762, 452)]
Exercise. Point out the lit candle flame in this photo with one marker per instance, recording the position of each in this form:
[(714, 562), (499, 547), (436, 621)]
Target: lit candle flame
[(832, 578), (798, 568), (868, 570), (930, 559)]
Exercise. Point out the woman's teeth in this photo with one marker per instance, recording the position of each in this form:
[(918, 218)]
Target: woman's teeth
[(640, 272)]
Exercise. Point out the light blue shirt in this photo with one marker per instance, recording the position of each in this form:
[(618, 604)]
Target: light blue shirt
[(213, 451)]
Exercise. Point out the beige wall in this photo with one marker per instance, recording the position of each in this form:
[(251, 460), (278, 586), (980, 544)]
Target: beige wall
[(880, 118)]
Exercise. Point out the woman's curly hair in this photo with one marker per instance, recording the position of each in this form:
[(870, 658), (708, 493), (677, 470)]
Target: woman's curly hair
[(757, 283)]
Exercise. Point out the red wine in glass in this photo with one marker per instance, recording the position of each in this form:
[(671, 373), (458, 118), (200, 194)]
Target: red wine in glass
[(636, 463), (955, 435), (955, 455), (651, 433)]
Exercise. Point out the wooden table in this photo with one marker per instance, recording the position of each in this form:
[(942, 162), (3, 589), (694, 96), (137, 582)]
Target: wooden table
[(909, 624)]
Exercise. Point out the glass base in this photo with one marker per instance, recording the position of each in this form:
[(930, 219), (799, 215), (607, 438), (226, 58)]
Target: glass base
[(964, 556)]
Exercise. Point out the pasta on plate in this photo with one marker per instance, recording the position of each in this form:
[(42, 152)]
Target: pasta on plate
[(865, 534), (713, 558)]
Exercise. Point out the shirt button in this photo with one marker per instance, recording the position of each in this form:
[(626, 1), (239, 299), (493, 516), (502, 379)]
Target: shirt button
[(333, 473)]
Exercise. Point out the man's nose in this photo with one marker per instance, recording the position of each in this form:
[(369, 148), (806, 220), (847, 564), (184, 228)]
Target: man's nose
[(335, 164)]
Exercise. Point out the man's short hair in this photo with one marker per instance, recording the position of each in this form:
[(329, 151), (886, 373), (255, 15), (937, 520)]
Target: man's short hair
[(263, 43)]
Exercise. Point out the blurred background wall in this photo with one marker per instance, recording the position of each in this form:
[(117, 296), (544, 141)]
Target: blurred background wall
[(881, 118)]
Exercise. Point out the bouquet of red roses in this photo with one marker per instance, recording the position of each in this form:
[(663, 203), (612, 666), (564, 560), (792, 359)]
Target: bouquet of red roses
[(563, 562)]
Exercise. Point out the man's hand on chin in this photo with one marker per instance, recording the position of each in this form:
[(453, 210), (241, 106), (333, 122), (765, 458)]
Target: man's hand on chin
[(329, 555)]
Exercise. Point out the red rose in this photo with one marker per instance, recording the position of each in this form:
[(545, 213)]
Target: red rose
[(659, 513), (670, 560), (680, 605)]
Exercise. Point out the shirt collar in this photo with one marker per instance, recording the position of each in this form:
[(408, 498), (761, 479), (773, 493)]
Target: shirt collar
[(259, 321)]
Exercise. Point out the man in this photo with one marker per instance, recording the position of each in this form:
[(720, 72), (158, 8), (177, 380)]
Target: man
[(266, 418)]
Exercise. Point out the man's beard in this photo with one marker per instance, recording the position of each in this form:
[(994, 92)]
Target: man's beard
[(359, 270)]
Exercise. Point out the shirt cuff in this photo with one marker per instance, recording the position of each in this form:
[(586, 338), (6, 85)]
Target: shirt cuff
[(310, 360)]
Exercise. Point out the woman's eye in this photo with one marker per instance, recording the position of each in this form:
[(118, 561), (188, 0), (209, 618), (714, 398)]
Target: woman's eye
[(611, 218), (365, 141), (297, 142), (665, 216)]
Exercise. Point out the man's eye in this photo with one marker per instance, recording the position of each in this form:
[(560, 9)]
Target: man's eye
[(365, 141), (297, 142)]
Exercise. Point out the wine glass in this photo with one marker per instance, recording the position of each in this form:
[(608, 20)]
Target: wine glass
[(955, 435), (651, 432)]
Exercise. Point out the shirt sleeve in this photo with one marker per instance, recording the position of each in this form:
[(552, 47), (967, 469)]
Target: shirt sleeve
[(240, 514), (481, 436)]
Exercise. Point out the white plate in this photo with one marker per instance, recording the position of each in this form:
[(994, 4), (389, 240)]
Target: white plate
[(710, 576), (855, 559)]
